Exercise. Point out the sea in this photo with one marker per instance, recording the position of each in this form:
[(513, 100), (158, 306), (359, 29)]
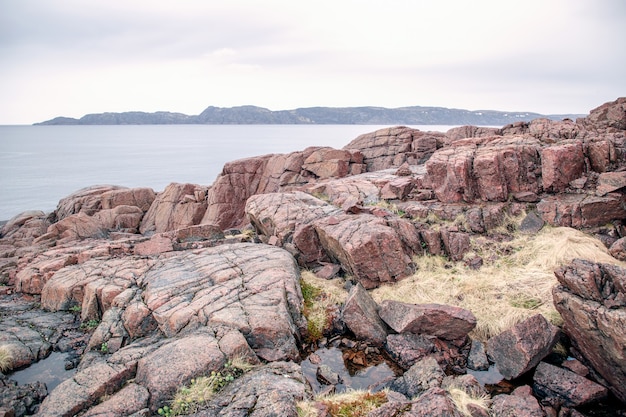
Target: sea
[(39, 165)]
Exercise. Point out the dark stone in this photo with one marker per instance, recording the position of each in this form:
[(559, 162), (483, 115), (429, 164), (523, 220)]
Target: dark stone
[(532, 223), (408, 348), (571, 388)]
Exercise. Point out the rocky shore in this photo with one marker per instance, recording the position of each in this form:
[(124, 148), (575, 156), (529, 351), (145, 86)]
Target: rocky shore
[(150, 294)]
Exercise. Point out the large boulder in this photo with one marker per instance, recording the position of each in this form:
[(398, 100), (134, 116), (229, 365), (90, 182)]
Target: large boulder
[(178, 206), (443, 321), (137, 197), (591, 298), (86, 200), (367, 248), (391, 147), (561, 164), (519, 349), (25, 227)]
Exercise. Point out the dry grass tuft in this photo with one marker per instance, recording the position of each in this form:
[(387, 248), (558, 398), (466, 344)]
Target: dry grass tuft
[(6, 358), (465, 402), (514, 283), (354, 403)]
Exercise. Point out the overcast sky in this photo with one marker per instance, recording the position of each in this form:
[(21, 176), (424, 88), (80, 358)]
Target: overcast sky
[(73, 57)]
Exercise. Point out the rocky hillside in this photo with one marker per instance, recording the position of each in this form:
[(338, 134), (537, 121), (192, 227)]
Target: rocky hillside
[(415, 115), (152, 294)]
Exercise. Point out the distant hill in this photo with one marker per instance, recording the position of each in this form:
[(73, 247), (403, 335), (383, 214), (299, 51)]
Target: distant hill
[(414, 115)]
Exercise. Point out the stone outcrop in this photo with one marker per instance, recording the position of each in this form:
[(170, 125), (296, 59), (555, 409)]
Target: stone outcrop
[(178, 206), (565, 386), (591, 298), (360, 315), (86, 200)]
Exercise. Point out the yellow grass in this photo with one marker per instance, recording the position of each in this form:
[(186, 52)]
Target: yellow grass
[(514, 283), (352, 403), (320, 297), (6, 358)]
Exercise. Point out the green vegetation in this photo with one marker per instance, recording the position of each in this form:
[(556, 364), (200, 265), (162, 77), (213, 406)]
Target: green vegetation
[(104, 347), (6, 358), (90, 324), (321, 298), (75, 309), (189, 399)]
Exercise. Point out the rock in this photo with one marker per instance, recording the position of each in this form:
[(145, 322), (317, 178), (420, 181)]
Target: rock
[(253, 288), (178, 206), (155, 245), (618, 249), (516, 406), (271, 390), (576, 366), (591, 298), (397, 189), (434, 402), (477, 359), (141, 198), (86, 200), (326, 376), (360, 315), (328, 163), (610, 115), (526, 197), (120, 218), (328, 271), (130, 399), (407, 348), (20, 400), (85, 388), (532, 223), (581, 210), (456, 244), (25, 227), (443, 321), (366, 247), (174, 364), (404, 170), (564, 385), (74, 227), (392, 147), (423, 375), (561, 164), (521, 348)]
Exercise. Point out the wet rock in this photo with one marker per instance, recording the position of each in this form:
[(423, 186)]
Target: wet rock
[(519, 349), (516, 405), (360, 315), (270, 390), (178, 206), (618, 249), (443, 321), (130, 399), (570, 388), (423, 375), (326, 376), (20, 400), (591, 298), (477, 359)]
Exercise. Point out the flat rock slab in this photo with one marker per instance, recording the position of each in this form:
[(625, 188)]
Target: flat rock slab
[(573, 389), (519, 349), (443, 321)]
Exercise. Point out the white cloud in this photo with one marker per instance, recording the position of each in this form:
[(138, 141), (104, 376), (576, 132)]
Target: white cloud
[(70, 57)]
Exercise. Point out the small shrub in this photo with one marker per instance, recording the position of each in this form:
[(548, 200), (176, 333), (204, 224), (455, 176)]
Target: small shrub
[(189, 399), (90, 324), (104, 347), (321, 298), (75, 309), (6, 358)]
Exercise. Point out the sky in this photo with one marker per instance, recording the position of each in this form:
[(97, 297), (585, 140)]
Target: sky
[(75, 57)]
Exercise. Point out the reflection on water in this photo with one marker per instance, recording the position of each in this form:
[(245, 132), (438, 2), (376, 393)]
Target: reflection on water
[(51, 371), (369, 377)]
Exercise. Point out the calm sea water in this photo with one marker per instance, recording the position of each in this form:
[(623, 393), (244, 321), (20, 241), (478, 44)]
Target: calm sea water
[(39, 165)]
